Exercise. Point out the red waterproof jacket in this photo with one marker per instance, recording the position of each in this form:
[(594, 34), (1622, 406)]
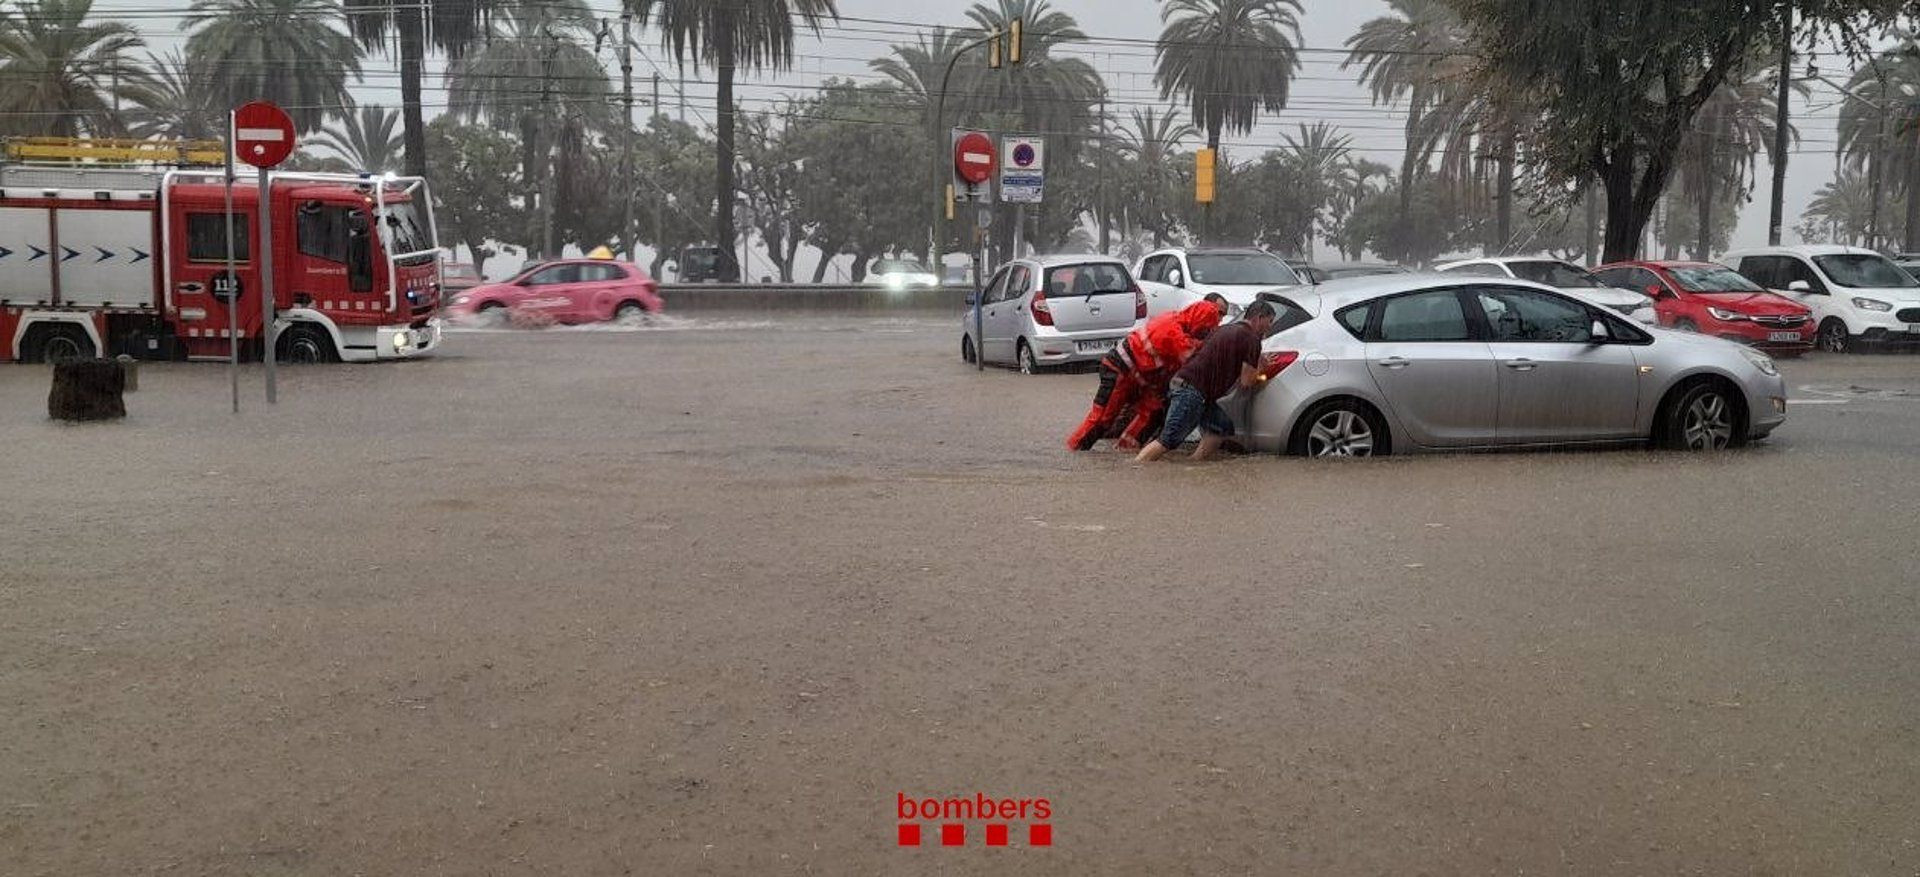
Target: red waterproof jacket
[(1165, 342)]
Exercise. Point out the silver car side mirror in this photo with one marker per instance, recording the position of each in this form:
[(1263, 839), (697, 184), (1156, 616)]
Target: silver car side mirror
[(1799, 286), (1599, 335)]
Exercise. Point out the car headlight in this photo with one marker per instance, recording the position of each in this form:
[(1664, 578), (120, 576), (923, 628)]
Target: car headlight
[(401, 340), (1726, 316), (461, 299), (1871, 304), (1760, 361)]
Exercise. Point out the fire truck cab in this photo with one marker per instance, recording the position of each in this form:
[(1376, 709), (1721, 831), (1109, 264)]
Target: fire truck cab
[(100, 261)]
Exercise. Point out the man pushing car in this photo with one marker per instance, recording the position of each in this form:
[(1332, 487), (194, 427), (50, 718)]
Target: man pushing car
[(1136, 372), (1229, 359)]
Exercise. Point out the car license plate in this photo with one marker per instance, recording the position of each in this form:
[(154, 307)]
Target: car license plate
[(1095, 346), (1783, 336)]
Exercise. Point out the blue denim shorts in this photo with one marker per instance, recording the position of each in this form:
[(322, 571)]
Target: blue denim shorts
[(1188, 409)]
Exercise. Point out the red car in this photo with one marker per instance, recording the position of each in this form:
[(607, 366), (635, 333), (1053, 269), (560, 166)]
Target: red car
[(1716, 300), (566, 291)]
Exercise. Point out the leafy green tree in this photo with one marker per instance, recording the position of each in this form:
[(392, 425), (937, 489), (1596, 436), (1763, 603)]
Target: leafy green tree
[(284, 51), (473, 172), (1839, 212), (1619, 84), (674, 188), (920, 70), (450, 26), (845, 132), (181, 104), (769, 183), (367, 139), (1319, 163), (726, 35), (65, 72), (1149, 146)]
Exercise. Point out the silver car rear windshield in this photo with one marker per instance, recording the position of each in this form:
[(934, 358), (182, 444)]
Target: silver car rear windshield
[(1099, 278)]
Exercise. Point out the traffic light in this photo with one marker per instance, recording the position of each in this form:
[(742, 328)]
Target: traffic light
[(1203, 176), (1017, 35), (993, 50)]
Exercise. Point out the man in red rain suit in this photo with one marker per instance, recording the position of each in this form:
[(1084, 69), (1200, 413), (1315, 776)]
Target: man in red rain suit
[(1135, 374)]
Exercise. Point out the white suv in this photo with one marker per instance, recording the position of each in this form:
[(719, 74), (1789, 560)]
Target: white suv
[(1859, 297), (1564, 276), (1176, 278)]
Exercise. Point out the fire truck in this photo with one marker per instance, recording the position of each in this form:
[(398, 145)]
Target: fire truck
[(121, 247)]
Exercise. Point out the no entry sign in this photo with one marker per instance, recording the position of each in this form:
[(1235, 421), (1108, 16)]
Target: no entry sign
[(973, 157), (262, 134)]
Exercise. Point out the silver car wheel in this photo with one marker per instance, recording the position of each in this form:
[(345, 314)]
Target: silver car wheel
[(1709, 423), (1027, 364), (1340, 434)]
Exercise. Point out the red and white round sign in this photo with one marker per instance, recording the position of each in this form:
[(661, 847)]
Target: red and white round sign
[(262, 134), (973, 157)]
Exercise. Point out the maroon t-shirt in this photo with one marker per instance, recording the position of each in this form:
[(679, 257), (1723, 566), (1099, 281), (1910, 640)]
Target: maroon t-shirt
[(1214, 369)]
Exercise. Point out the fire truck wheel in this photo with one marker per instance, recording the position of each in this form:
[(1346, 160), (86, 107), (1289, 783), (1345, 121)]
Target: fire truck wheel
[(306, 344), (58, 343)]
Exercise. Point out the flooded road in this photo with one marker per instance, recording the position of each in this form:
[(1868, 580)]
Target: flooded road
[(709, 596)]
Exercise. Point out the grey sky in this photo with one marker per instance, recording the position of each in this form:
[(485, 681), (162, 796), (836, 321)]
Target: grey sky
[(1322, 91)]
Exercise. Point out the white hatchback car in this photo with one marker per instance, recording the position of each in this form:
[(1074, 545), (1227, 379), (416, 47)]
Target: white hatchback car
[(1564, 276), (1052, 310), (1859, 297)]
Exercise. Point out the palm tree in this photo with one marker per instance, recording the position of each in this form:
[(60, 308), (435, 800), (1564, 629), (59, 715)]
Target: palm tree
[(1880, 125), (1322, 161), (1231, 58), (1150, 176), (369, 140), (1717, 157), (65, 75), (450, 26), (1838, 212), (284, 51), (726, 34), (1416, 54), (535, 74), (181, 103)]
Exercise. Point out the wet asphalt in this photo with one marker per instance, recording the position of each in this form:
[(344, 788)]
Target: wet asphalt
[(708, 597)]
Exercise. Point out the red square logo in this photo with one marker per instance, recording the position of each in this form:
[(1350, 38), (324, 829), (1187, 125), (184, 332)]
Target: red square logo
[(953, 834), (997, 835), (1040, 835), (910, 834)]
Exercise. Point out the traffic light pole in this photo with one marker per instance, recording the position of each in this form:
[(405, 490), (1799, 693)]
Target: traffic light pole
[(939, 122)]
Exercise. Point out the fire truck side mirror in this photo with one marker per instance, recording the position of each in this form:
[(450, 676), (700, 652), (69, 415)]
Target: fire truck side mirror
[(359, 253)]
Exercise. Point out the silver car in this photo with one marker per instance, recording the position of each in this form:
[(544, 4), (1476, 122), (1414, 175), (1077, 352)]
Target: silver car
[(1393, 364), (1053, 310)]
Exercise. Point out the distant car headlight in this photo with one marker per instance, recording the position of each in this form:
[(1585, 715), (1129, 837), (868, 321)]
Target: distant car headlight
[(1760, 361), (1871, 304), (896, 281), (462, 299), (401, 340), (1726, 316)]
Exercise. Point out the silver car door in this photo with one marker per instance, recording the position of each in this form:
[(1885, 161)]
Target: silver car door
[(990, 306), (1006, 314), (1557, 383), (1433, 370)]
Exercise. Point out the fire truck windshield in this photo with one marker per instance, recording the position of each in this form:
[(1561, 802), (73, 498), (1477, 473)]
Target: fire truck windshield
[(406, 232)]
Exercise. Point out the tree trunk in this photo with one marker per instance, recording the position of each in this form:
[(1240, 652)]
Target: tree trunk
[(1503, 199), (723, 55), (1912, 236), (412, 50), (1592, 200), (861, 260), (1704, 248), (828, 250)]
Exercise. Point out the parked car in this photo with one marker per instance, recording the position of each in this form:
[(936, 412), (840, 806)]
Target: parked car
[(1401, 363), (1053, 310), (699, 264), (566, 291), (1562, 275), (1345, 270), (901, 274), (1858, 297), (1175, 278), (458, 277), (1717, 300)]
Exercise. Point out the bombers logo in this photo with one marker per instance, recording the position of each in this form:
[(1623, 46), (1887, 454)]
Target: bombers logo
[(1000, 816)]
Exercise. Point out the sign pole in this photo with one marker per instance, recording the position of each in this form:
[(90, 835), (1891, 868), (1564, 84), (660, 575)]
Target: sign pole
[(979, 287), (268, 330), (233, 300)]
